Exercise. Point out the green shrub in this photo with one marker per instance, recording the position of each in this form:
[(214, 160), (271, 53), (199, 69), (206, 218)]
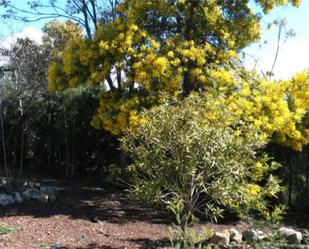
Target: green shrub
[(196, 157), (6, 229)]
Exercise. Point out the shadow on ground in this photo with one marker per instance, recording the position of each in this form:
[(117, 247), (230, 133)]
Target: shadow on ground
[(141, 243), (151, 244), (90, 246), (84, 201)]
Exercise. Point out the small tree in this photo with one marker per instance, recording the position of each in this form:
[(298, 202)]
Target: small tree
[(195, 156)]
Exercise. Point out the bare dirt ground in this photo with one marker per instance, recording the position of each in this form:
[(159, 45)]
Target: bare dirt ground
[(84, 217), (87, 217)]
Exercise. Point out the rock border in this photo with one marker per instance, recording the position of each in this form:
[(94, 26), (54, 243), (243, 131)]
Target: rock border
[(33, 192)]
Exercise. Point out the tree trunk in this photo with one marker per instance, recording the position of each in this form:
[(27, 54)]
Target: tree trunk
[(66, 142), (307, 177), (187, 86), (73, 150), (290, 180), (21, 162), (123, 160), (6, 170)]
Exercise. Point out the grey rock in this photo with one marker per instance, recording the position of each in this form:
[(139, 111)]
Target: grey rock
[(35, 194), (55, 247), (292, 236), (18, 198), (220, 238), (6, 199)]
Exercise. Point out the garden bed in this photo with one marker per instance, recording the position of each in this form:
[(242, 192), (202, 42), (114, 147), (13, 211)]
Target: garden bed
[(89, 217)]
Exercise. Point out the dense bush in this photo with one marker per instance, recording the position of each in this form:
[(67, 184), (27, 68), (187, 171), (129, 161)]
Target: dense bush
[(195, 156)]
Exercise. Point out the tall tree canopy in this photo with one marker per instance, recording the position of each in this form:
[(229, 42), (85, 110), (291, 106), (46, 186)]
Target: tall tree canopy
[(156, 49)]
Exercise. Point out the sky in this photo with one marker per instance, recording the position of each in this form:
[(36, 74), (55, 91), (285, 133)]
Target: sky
[(293, 55)]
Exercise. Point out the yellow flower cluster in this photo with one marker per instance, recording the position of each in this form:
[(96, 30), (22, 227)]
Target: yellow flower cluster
[(121, 114), (269, 5), (277, 108)]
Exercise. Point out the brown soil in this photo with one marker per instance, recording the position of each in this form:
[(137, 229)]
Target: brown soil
[(87, 217), (84, 217)]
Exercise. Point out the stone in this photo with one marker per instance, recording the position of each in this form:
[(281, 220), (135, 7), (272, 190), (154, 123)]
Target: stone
[(49, 190), (263, 236), (220, 238), (18, 198), (51, 198), (55, 247), (291, 235), (253, 235), (6, 199), (35, 194), (235, 236)]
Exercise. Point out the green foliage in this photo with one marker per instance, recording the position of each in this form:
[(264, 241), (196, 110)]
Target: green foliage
[(270, 226), (277, 239), (115, 175), (112, 175), (57, 134), (43, 246), (6, 229), (196, 157), (306, 237), (189, 238)]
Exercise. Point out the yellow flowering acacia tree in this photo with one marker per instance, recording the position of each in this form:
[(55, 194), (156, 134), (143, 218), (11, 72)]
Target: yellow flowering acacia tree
[(279, 108), (155, 49)]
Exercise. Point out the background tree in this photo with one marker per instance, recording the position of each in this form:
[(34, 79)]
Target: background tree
[(44, 131), (28, 61)]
